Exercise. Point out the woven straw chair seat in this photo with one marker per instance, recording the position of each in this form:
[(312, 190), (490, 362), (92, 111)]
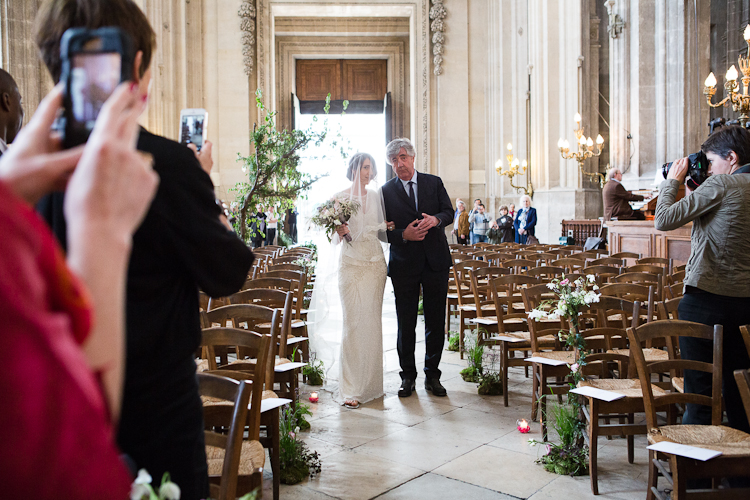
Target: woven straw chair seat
[(630, 388), (210, 401), (253, 457), (201, 365), (650, 353), (266, 327), (728, 441), (679, 384), (473, 307), (545, 341), (567, 356)]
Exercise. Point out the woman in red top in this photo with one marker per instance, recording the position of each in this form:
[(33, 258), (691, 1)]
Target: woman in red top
[(62, 331)]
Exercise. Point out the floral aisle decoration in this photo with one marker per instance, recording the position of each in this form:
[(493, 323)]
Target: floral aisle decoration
[(490, 378), (141, 488), (570, 456), (332, 214), (474, 354), (296, 460), (314, 370)]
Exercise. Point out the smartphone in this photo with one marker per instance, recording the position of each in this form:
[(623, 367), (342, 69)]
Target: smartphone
[(193, 126), (94, 63)]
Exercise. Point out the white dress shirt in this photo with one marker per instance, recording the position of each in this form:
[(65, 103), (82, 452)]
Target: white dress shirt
[(406, 188)]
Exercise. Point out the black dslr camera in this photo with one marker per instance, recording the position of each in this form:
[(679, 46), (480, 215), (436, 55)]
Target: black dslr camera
[(697, 170)]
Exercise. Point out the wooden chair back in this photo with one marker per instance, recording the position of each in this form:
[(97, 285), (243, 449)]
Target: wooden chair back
[(545, 273), (517, 266), (672, 330), (601, 272), (300, 279), (674, 290), (571, 265), (668, 308), (742, 377), (286, 267), (533, 296), (607, 261), (656, 280), (481, 286), (657, 261), (238, 392), (462, 279), (275, 283)]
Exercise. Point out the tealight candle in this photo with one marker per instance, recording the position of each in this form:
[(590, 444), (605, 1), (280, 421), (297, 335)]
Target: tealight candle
[(523, 426), (313, 397)]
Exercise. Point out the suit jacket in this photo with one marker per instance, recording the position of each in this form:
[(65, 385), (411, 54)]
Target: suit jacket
[(616, 199), (410, 258), (530, 220)]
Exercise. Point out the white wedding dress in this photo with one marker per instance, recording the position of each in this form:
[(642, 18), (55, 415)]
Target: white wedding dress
[(352, 349)]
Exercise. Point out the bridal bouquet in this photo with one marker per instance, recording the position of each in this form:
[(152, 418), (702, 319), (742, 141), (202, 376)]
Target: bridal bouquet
[(334, 213)]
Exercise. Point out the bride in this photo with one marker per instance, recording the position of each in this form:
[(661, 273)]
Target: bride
[(361, 270)]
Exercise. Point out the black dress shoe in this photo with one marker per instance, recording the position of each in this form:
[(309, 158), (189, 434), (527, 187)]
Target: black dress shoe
[(434, 385), (407, 386)]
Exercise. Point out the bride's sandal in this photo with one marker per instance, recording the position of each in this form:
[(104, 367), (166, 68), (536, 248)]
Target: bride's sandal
[(352, 404)]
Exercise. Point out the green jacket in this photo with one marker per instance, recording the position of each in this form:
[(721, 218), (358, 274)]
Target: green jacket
[(720, 241)]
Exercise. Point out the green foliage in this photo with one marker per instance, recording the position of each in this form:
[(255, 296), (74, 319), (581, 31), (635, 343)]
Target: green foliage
[(470, 374), (453, 341), (420, 307), (253, 495), (569, 457), (474, 353), (490, 379), (296, 459), (314, 247), (314, 371), (284, 239), (273, 177)]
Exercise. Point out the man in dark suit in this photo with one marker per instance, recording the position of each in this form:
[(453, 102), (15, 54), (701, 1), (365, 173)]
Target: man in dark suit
[(419, 209), (11, 110), (616, 199)]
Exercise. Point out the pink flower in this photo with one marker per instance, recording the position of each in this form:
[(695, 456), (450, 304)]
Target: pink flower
[(292, 435), (574, 367), (565, 281), (549, 449)]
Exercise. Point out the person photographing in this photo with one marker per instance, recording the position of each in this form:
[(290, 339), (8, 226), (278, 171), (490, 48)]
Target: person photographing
[(717, 276)]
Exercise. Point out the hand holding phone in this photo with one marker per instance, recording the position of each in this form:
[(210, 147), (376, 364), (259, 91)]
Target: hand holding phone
[(193, 127)]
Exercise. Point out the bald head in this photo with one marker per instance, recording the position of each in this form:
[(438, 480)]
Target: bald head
[(11, 108), (614, 173)]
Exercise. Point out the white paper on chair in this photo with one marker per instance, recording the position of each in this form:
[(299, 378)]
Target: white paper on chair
[(507, 338), (271, 403), (545, 361), (684, 450), (595, 393), (288, 366), (483, 321)]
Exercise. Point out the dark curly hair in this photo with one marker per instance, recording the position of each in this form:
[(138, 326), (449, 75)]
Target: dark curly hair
[(728, 139)]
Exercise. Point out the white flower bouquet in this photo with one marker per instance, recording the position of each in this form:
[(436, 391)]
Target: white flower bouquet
[(333, 213)]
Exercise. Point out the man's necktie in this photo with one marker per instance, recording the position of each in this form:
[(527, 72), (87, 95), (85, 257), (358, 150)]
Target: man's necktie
[(411, 194)]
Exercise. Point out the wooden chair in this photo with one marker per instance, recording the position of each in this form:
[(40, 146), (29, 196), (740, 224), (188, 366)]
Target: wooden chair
[(657, 261), (674, 291), (545, 273), (571, 265), (517, 266), (676, 277), (734, 444), (285, 267), (742, 377), (626, 255), (679, 268), (465, 296), (607, 261), (546, 379), (484, 305), (601, 272), (228, 455), (656, 280)]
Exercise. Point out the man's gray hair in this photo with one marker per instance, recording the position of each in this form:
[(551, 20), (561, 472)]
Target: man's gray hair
[(395, 146), (611, 172)]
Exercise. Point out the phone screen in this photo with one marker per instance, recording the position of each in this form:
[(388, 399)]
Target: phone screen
[(192, 130), (93, 79)]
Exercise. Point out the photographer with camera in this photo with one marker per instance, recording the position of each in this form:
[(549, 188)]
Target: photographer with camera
[(717, 276)]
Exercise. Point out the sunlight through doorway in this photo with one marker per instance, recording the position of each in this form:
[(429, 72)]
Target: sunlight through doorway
[(360, 133)]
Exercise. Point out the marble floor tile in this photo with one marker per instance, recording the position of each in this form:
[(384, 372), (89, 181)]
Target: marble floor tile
[(351, 428), (436, 487), (408, 411), (471, 425), (350, 475), (422, 449), (497, 469)]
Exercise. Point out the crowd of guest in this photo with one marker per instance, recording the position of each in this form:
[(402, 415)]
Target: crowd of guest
[(478, 226)]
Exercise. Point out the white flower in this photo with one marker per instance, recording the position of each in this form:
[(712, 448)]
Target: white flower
[(551, 286), (138, 491), (169, 491), (591, 278), (595, 287), (336, 222), (537, 314), (574, 367), (143, 477), (554, 316), (532, 442)]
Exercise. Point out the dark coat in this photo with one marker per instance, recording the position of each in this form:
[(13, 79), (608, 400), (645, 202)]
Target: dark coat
[(616, 199), (530, 224), (505, 229), (180, 247), (411, 257)]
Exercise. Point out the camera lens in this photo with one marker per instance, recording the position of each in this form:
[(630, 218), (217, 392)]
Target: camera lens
[(665, 169)]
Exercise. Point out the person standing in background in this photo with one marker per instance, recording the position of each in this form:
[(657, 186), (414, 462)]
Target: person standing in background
[(291, 218), (525, 221), (461, 223), (473, 210), (616, 199), (482, 224), (272, 223), (504, 225), (258, 227), (11, 110)]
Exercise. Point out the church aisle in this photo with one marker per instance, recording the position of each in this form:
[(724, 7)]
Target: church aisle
[(461, 446)]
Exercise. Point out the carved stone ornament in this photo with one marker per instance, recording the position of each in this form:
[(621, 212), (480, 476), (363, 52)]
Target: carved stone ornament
[(247, 25), (437, 26)]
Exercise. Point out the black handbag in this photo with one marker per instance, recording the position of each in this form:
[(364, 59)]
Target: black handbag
[(596, 242)]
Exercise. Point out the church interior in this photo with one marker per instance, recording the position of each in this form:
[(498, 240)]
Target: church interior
[(577, 108)]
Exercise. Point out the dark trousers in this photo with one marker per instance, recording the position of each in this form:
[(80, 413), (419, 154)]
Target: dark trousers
[(270, 235), (462, 241), (434, 285), (730, 312)]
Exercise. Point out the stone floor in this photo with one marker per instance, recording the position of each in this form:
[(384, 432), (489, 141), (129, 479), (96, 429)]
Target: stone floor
[(463, 446)]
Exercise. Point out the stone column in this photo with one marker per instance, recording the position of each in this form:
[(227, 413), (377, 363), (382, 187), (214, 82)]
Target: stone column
[(560, 49), (657, 67)]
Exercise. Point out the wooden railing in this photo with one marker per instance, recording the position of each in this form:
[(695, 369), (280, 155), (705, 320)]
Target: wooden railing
[(582, 229)]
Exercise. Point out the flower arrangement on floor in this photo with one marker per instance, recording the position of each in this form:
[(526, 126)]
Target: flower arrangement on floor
[(296, 460), (141, 489), (571, 456), (490, 379), (453, 341), (333, 213)]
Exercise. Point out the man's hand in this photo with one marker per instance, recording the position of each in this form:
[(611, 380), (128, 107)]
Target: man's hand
[(678, 171), (414, 231), (204, 156), (428, 221)]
